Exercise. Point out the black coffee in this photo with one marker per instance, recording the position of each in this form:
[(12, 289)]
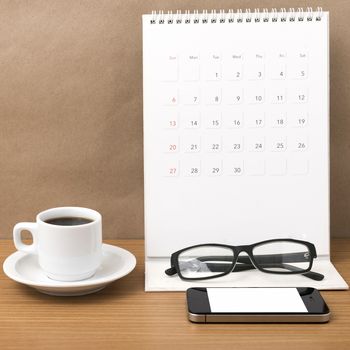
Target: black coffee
[(68, 221)]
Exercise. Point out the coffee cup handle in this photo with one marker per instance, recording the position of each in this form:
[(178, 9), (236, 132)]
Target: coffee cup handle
[(32, 227)]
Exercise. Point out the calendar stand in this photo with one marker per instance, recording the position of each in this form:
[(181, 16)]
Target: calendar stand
[(236, 137)]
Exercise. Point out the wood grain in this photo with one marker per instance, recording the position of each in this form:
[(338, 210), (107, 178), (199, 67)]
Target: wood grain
[(123, 316)]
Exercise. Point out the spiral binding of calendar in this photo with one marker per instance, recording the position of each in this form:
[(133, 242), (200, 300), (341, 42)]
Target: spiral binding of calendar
[(238, 16)]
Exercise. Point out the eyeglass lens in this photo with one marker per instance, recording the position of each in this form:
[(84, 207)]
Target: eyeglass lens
[(283, 256), (205, 261)]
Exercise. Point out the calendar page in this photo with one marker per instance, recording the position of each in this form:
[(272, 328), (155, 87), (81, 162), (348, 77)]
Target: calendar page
[(236, 129)]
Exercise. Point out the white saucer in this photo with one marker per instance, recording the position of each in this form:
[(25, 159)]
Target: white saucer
[(24, 268)]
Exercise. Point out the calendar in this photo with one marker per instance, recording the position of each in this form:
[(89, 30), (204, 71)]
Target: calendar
[(236, 128)]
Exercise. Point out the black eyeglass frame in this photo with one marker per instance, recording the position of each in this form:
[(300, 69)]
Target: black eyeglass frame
[(174, 261)]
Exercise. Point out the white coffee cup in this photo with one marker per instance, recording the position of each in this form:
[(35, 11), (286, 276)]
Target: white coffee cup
[(65, 253)]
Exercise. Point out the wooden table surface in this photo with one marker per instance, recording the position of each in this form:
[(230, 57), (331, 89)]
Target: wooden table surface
[(123, 316)]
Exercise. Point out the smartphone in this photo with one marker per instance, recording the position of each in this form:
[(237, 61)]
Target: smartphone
[(256, 305)]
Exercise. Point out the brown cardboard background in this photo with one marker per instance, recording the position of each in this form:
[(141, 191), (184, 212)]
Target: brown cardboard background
[(71, 107)]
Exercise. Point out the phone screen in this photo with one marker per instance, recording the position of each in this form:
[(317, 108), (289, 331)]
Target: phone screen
[(245, 300)]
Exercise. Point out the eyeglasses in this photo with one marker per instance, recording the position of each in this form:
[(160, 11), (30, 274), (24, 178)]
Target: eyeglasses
[(277, 256)]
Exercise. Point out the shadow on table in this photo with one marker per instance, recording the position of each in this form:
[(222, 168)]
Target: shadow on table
[(119, 290)]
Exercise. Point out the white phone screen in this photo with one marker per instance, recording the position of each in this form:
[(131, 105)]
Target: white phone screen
[(245, 300)]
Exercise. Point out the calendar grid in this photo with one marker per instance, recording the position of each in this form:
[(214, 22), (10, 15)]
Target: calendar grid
[(236, 129)]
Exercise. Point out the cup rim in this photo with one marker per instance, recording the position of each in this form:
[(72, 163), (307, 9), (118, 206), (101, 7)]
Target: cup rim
[(49, 214)]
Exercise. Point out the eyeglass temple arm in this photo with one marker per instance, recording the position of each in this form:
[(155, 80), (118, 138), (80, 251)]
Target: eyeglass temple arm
[(171, 271), (244, 267), (310, 274), (265, 260), (275, 258)]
